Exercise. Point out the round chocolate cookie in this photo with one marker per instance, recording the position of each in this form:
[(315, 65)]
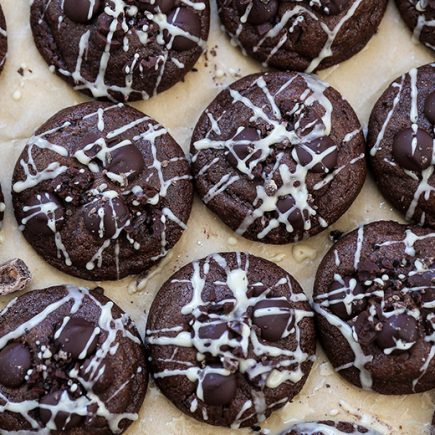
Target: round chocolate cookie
[(121, 50), (231, 339), (301, 35), (401, 139), (3, 40), (374, 296), (70, 361), (327, 428), (278, 156), (102, 191), (419, 15)]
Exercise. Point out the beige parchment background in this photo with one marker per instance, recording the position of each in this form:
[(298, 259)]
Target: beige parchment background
[(27, 101)]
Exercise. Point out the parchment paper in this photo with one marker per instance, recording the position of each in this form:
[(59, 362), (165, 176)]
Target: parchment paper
[(30, 98)]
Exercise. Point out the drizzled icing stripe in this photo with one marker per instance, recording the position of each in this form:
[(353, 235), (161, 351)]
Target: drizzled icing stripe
[(281, 138), (246, 352), (113, 327), (106, 201)]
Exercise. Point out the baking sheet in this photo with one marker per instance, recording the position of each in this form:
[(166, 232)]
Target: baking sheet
[(30, 94)]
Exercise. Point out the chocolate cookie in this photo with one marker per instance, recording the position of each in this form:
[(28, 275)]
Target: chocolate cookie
[(301, 35), (70, 360), (121, 50), (102, 191), (327, 428), (278, 156), (231, 339), (3, 40), (419, 15), (374, 296), (401, 139)]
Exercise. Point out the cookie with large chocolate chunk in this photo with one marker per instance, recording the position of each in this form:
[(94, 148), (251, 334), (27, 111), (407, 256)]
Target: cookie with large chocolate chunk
[(301, 35), (327, 428), (374, 297), (102, 191), (278, 156), (120, 50), (3, 40), (419, 15), (231, 339), (401, 140), (70, 360)]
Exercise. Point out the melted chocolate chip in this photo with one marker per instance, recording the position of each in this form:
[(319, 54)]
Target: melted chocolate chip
[(409, 158), (15, 360), (127, 160), (101, 375), (329, 7), (219, 390), (295, 216), (43, 214), (243, 151), (337, 298), (322, 146), (63, 420), (75, 336), (273, 317), (186, 20), (397, 327), (429, 107), (80, 10), (104, 217)]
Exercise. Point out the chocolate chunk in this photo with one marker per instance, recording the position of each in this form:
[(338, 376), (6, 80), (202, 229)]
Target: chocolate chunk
[(62, 419), (284, 205), (424, 279), (75, 336), (82, 11), (164, 6), (14, 276), (243, 151), (367, 270), (105, 217), (261, 11), (413, 150), (43, 214), (312, 150), (429, 107), (15, 360), (100, 375), (212, 331), (127, 160), (397, 327), (189, 22), (343, 298), (273, 317), (219, 390)]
